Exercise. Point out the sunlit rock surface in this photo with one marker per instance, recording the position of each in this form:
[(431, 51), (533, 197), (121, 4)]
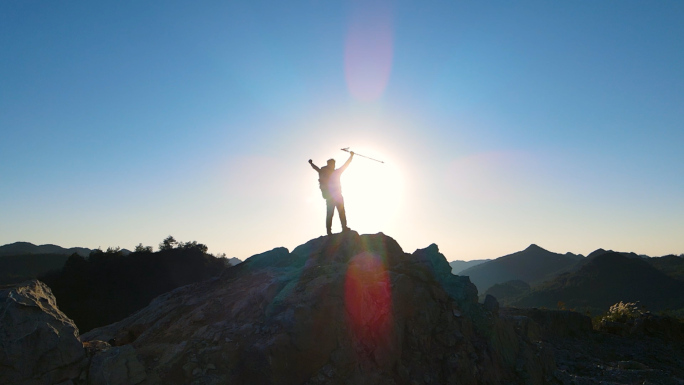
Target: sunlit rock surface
[(38, 343), (344, 309)]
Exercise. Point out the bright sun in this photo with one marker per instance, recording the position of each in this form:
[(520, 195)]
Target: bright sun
[(372, 193)]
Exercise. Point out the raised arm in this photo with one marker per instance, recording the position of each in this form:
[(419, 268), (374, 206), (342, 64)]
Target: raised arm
[(346, 164), (314, 166)]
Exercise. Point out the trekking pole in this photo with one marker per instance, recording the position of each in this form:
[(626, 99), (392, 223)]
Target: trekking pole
[(367, 157)]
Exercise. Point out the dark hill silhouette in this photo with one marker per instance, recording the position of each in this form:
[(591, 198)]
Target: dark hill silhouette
[(18, 268), (108, 286), (671, 265), (21, 248), (458, 266), (598, 252), (532, 265), (22, 261), (609, 278), (508, 292)]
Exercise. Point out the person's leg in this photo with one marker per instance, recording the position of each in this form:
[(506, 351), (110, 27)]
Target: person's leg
[(342, 213), (330, 206)]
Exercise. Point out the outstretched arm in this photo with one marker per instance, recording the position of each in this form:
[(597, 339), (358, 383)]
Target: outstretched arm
[(346, 164), (314, 166)]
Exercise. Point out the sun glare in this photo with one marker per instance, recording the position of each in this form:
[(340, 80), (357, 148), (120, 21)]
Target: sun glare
[(372, 192)]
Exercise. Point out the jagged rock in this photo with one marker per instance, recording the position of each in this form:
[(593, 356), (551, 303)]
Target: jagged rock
[(460, 288), (339, 309), (39, 344)]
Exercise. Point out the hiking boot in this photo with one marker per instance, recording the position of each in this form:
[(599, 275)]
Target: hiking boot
[(329, 232), (345, 229)]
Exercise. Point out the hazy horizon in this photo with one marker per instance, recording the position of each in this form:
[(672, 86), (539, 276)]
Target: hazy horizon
[(156, 248), (501, 124)]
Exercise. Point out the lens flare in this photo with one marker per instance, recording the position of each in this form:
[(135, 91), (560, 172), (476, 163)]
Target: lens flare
[(369, 50), (368, 301)]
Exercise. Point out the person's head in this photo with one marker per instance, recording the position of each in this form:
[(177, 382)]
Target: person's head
[(331, 163)]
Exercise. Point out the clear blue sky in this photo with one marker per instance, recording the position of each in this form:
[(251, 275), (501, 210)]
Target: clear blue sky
[(501, 123)]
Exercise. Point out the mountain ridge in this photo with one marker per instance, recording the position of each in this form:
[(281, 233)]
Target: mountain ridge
[(458, 266), (21, 247), (606, 279), (533, 264)]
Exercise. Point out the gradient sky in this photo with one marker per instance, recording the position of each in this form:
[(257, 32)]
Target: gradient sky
[(502, 123)]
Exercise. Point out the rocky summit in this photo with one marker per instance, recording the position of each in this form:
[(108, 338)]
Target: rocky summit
[(343, 309)]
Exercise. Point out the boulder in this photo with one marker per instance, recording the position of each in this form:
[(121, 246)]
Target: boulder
[(39, 343)]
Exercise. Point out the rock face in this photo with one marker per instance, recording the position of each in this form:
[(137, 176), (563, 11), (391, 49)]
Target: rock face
[(38, 343), (341, 309)]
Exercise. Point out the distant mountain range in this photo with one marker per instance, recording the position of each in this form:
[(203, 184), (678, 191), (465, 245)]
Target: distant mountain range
[(533, 277), (459, 266), (20, 261), (233, 261), (609, 278), (22, 267), (532, 265), (19, 248), (536, 277)]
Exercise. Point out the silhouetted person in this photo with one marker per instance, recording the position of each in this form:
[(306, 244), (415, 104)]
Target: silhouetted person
[(329, 180)]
